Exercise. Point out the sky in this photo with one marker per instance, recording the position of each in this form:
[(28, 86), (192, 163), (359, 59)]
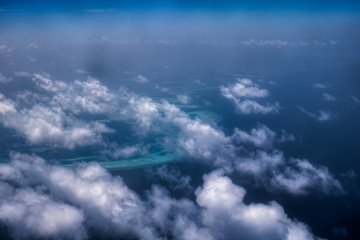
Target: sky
[(179, 120)]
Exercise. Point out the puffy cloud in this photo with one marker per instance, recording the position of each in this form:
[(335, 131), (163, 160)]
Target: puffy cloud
[(72, 200), (259, 163), (244, 88), (4, 79), (6, 105), (183, 99), (52, 127), (43, 81), (240, 93), (322, 116), (176, 219), (300, 176), (80, 96), (327, 97), (198, 139), (41, 200), (228, 217), (144, 110), (30, 214), (295, 176), (260, 136)]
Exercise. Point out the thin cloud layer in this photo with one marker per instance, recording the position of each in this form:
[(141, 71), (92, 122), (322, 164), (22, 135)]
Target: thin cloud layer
[(327, 97), (4, 79), (320, 117)]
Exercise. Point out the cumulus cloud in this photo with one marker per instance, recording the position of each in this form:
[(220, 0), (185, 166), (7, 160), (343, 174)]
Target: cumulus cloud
[(259, 163), (321, 116), (80, 96), (327, 97), (300, 176), (72, 200), (228, 217), (50, 126), (30, 214), (260, 136), (40, 200), (295, 176), (242, 94), (54, 123)]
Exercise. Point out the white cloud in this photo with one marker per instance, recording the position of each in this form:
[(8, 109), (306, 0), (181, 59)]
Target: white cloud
[(183, 99), (4, 79), (251, 106), (322, 116), (260, 136), (294, 176), (259, 163), (22, 74), (6, 105), (244, 88), (240, 93), (300, 176), (72, 200), (31, 214), (80, 71), (5, 49), (49, 123), (327, 97), (198, 139), (52, 127), (162, 89), (80, 96), (141, 79), (283, 43), (228, 217), (319, 85), (31, 46), (51, 201), (355, 99)]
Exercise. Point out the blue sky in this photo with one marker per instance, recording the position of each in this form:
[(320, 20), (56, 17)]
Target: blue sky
[(69, 6)]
